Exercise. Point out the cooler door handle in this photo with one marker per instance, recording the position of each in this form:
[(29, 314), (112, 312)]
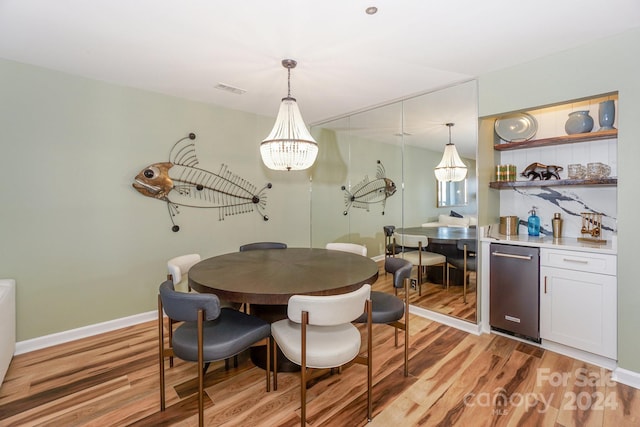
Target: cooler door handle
[(504, 255)]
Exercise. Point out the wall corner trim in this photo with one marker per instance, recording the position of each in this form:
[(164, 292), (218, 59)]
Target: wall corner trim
[(627, 377), (83, 332)]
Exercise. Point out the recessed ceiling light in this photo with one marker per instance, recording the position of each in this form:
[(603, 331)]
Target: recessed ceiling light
[(371, 10), (227, 88)]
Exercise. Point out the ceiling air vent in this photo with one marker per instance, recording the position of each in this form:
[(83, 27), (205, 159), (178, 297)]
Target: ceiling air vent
[(228, 88)]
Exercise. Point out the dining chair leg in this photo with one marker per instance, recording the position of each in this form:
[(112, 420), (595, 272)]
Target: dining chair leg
[(268, 364), (369, 361), (464, 277), (200, 368), (303, 370), (464, 288), (170, 340), (448, 272), (161, 352), (275, 365), (407, 281)]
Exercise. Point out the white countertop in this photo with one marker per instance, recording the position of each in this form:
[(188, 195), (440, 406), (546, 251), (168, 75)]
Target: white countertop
[(491, 234)]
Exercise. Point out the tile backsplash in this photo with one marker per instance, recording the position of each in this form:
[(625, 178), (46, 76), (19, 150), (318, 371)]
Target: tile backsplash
[(569, 201)]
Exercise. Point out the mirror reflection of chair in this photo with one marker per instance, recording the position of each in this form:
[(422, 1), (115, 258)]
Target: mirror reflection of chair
[(465, 260), (318, 334), (388, 240), (347, 247), (208, 333), (262, 245), (421, 257)]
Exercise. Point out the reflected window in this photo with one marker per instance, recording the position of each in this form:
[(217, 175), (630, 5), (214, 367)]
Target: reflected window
[(452, 193)]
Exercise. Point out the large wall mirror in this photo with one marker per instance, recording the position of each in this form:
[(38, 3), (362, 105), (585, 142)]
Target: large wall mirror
[(376, 168)]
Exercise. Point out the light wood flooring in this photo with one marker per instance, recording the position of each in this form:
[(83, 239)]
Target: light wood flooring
[(455, 379), (437, 297)]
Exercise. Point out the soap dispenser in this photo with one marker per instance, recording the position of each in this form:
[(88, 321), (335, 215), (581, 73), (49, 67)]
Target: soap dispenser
[(533, 223)]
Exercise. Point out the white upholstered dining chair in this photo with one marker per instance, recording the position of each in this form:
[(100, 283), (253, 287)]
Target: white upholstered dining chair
[(178, 268), (318, 334), (347, 247)]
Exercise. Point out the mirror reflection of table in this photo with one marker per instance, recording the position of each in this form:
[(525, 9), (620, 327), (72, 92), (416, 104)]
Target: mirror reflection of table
[(448, 235), (442, 240), (266, 279)]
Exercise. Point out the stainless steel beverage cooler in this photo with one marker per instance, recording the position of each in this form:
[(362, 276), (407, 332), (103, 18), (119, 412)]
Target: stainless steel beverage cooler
[(514, 290)]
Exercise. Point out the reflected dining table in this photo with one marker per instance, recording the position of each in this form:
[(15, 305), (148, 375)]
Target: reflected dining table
[(441, 235), (442, 240), (266, 279)]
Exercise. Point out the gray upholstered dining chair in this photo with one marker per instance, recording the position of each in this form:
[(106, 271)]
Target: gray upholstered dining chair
[(465, 260), (389, 309), (386, 308), (208, 333), (262, 245), (319, 334), (421, 257), (178, 268)]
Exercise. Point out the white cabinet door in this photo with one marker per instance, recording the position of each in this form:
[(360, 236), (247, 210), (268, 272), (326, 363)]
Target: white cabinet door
[(579, 309)]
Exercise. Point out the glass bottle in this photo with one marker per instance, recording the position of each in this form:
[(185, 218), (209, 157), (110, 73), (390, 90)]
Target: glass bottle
[(533, 223)]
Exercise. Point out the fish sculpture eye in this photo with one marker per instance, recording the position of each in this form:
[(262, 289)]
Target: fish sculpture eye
[(151, 172)]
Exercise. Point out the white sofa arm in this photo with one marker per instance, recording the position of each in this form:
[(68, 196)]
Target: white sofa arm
[(7, 324)]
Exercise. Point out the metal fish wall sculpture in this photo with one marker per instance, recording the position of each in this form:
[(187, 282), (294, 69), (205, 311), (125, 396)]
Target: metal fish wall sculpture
[(366, 193), (180, 183)]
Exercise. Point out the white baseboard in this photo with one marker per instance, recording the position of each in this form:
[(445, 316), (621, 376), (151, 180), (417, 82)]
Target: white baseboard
[(83, 332), (463, 325), (627, 377), (575, 353)]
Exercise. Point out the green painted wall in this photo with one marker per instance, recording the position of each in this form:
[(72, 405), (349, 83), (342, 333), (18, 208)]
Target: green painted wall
[(605, 66), (85, 247), (82, 244)]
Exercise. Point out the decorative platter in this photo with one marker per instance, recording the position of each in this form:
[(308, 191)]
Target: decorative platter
[(516, 127)]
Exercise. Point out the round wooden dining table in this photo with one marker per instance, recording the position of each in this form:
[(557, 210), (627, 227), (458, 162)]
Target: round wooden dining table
[(272, 276), (266, 279)]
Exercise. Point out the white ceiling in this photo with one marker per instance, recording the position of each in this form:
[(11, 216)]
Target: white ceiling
[(347, 60)]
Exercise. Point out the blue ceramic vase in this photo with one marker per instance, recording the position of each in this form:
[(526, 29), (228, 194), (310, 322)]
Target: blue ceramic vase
[(606, 115), (579, 122)]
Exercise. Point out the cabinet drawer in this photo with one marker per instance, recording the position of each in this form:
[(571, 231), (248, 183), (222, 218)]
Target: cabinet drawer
[(580, 261)]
